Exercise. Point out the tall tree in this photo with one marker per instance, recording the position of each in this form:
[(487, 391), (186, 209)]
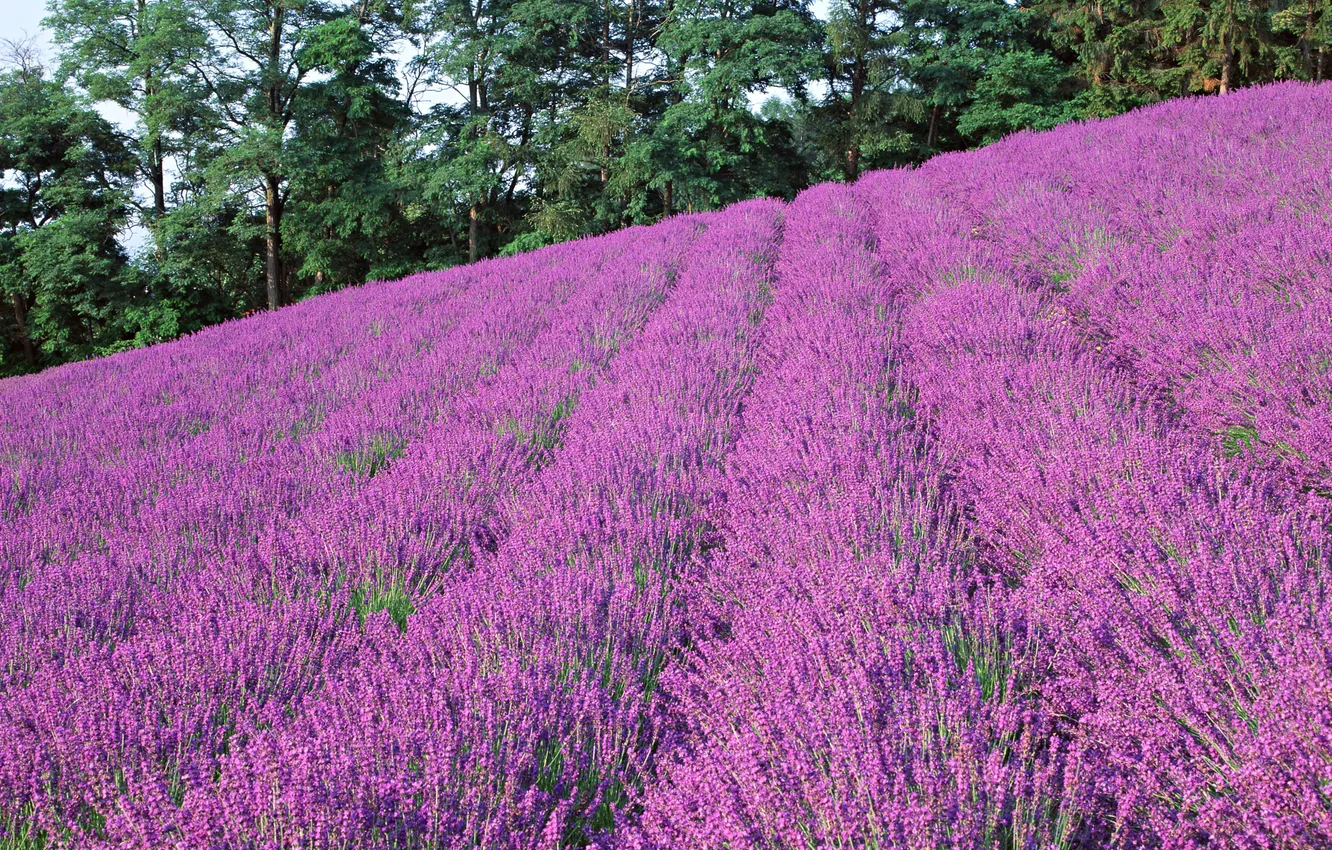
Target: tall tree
[(1018, 90), (62, 206), (1305, 27), (867, 91), (1217, 42), (983, 68), (347, 220), (1119, 50), (604, 85), (136, 54), (481, 136), (725, 51), (256, 72)]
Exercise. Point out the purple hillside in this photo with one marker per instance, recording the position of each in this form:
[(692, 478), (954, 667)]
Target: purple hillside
[(986, 504)]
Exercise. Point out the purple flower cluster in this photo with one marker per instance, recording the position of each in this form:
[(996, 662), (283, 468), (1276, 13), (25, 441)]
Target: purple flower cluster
[(985, 504)]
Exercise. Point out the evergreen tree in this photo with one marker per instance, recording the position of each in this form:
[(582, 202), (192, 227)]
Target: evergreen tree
[(1119, 50), (872, 109), (1018, 90), (710, 141), (477, 144), (1303, 31), (605, 79), (1217, 43), (347, 214)]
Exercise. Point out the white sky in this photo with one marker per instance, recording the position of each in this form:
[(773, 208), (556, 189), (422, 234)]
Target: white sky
[(23, 16)]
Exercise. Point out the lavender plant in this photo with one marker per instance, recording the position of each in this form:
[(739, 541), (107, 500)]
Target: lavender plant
[(982, 505)]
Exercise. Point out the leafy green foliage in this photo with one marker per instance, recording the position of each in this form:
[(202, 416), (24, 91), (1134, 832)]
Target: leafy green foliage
[(1127, 53), (1019, 90), (544, 435), (17, 833), (1237, 439), (62, 271)]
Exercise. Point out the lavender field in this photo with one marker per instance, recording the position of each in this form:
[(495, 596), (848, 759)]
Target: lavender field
[(981, 505)]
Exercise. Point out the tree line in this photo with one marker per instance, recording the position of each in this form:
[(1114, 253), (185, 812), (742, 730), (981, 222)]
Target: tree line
[(276, 149)]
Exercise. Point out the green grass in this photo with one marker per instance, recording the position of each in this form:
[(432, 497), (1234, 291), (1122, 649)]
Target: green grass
[(545, 435), (1238, 439), (314, 417), (371, 598), (990, 659), (18, 833), (364, 463), (1059, 281)]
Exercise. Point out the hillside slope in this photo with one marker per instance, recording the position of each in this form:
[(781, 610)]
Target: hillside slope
[(979, 505)]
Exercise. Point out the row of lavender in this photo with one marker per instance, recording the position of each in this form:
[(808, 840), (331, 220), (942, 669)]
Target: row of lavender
[(1170, 378), (180, 587), (517, 707), (1044, 561), (977, 506), (857, 689)]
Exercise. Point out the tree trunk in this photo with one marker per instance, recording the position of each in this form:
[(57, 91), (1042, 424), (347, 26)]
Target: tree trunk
[(159, 180), (668, 197), (1306, 45), (851, 167), (851, 156), (523, 141), (21, 319), (273, 201), (629, 38), (156, 165), (934, 124), (1227, 72), (606, 45), (474, 232), (273, 240)]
